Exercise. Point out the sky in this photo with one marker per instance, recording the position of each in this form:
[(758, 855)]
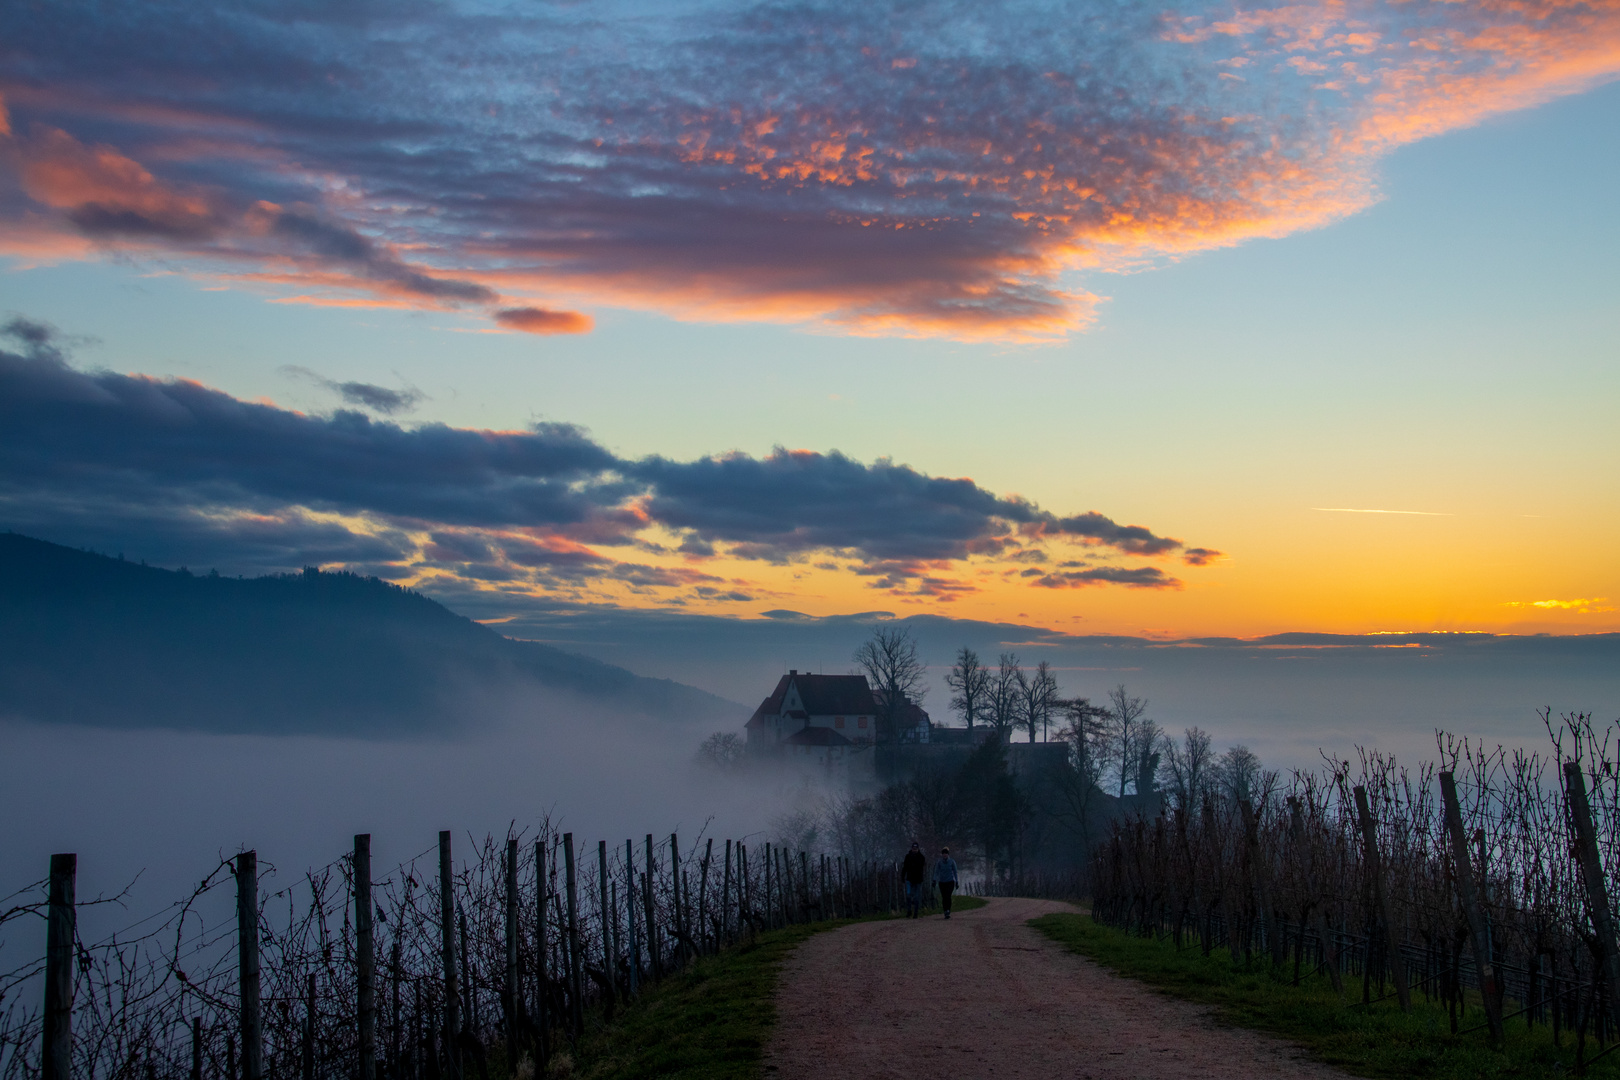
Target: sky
[(1167, 321)]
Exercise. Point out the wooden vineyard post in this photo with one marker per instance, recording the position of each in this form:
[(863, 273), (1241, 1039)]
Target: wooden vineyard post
[(681, 936), (307, 1055), (542, 950), (395, 1029), (469, 990), (703, 896), (745, 889), (1597, 893), (577, 1008), (607, 918), (651, 925), (56, 1053), (196, 1048), (693, 930), (447, 951), (613, 931), (770, 913), (1463, 873), (725, 900), (1330, 952), (1257, 873), (512, 996), (784, 884), (247, 964), (804, 882), (630, 915), (1375, 873), (365, 957)]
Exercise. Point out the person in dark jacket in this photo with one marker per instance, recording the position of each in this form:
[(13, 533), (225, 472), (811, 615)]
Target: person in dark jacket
[(945, 878), (912, 872)]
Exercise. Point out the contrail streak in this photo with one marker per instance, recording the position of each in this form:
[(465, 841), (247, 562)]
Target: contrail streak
[(1352, 510)]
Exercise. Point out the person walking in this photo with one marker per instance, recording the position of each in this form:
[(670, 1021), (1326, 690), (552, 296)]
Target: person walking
[(912, 871), (945, 878)]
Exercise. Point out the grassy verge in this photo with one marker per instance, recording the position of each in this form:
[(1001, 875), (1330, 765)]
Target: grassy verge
[(1377, 1041), (710, 1021)]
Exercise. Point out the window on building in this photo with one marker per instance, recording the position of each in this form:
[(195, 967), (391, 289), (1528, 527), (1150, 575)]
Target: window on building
[(838, 721), (863, 721)]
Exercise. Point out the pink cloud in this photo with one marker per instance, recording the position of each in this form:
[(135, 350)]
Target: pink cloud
[(534, 320), (832, 167)]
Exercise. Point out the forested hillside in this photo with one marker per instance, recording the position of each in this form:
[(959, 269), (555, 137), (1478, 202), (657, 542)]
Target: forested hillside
[(95, 640)]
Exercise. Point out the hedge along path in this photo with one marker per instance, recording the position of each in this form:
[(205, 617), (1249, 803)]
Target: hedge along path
[(984, 995)]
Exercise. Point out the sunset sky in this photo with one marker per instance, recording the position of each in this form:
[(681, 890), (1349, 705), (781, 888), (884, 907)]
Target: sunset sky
[(1100, 317)]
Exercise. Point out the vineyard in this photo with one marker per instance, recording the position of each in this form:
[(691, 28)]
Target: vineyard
[(436, 969), (1476, 881)]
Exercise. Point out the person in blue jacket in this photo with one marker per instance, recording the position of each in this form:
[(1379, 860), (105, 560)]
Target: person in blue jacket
[(945, 878)]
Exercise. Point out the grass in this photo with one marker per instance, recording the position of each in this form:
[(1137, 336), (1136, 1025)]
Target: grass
[(710, 1021), (1377, 1041)]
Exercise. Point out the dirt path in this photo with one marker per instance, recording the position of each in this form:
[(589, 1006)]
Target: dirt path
[(983, 995)]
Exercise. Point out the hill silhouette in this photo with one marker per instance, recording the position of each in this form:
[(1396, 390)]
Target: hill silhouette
[(88, 639)]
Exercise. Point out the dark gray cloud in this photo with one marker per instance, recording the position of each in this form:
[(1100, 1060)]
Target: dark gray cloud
[(379, 399), (791, 502), (76, 444), (1133, 577), (1129, 538), (100, 432)]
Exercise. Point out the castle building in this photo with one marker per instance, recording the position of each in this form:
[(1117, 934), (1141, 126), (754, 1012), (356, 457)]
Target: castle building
[(828, 724), (814, 710)]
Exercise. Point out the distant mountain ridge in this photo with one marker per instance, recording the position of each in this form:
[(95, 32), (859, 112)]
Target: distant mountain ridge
[(89, 639)]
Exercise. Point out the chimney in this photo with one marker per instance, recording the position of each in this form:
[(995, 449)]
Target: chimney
[(793, 671)]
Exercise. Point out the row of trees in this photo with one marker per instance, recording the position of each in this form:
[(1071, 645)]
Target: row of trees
[(1115, 744), (1049, 814)]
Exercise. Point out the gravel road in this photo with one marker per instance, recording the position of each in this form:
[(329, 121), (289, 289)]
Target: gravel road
[(983, 995)]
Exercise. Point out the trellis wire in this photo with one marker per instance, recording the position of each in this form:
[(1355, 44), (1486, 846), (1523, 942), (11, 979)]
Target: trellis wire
[(159, 997), (1298, 890)]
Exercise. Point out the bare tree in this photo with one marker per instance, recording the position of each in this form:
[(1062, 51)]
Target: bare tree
[(1188, 767), (1076, 787), (969, 683), (1239, 775), (1036, 694), (1125, 715), (1002, 705), (723, 749), (1085, 730), (1148, 751), (896, 670)]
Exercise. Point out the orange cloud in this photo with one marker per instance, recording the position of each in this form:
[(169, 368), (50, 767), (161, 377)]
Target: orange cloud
[(534, 320), (921, 187), (103, 191)]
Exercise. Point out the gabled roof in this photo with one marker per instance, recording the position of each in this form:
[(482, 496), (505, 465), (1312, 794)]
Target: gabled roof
[(819, 695), (826, 695)]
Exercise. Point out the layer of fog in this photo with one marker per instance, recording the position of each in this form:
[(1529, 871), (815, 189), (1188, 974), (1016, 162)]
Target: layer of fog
[(1286, 700), (166, 806)]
